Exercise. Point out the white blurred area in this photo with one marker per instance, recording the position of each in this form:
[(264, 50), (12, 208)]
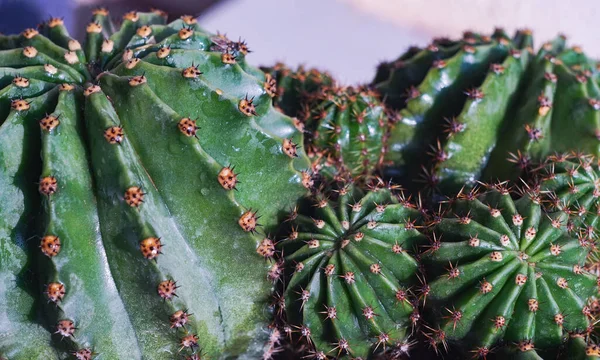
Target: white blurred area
[(350, 37)]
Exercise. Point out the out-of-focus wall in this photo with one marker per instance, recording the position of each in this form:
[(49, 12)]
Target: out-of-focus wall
[(349, 37)]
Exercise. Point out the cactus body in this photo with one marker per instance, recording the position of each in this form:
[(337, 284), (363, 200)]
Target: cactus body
[(349, 292), (296, 89), (348, 130), (458, 100), (503, 272), (135, 234)]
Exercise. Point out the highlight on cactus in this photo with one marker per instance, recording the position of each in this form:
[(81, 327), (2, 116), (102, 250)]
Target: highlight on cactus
[(134, 235), (349, 259)]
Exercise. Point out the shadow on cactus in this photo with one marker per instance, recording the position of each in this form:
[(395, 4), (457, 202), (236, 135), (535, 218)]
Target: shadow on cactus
[(507, 278), (162, 161)]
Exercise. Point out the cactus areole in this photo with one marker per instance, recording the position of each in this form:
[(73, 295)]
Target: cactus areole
[(137, 232)]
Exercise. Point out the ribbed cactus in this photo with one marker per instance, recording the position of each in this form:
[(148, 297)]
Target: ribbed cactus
[(505, 275), (136, 233), (297, 88), (467, 106), (352, 272), (348, 129)]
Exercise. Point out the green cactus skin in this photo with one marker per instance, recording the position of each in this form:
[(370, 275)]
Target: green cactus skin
[(297, 88), (349, 261), (348, 129), (22, 335), (503, 272), (570, 182), (455, 115), (136, 233)]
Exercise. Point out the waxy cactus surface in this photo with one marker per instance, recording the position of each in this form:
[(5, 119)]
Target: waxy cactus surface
[(138, 172)]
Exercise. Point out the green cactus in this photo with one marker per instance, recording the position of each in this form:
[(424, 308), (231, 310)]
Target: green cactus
[(348, 129), (136, 233), (349, 292), (296, 89), (462, 97), (506, 275)]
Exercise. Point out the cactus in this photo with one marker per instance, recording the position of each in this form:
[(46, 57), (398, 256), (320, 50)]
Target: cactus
[(296, 89), (136, 234), (351, 272), (348, 130), (462, 97), (504, 275)]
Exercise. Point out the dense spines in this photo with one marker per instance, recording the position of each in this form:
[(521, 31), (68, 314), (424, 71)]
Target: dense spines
[(349, 293), (516, 274), (347, 126), (297, 88)]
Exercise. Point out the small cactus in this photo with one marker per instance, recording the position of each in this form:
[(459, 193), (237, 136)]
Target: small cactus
[(505, 274), (347, 129), (296, 89), (352, 272)]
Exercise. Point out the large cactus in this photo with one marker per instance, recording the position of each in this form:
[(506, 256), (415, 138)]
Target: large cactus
[(352, 273), (506, 275), (467, 106), (136, 233)]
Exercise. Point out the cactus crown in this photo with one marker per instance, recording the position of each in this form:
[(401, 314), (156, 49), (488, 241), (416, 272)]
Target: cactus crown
[(351, 271), (503, 271)]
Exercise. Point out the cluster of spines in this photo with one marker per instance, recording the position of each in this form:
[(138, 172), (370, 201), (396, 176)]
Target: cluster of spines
[(467, 240)]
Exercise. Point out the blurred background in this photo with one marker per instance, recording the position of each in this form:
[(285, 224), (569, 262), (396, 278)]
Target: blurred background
[(346, 37)]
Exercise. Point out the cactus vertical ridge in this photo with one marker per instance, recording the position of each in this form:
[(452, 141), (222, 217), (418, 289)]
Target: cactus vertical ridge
[(179, 157), (438, 99), (151, 220), (15, 58), (19, 303), (101, 321), (230, 131)]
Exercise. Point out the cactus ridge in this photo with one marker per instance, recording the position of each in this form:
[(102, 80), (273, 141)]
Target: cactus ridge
[(189, 161), (463, 96), (351, 272), (504, 272), (348, 131)]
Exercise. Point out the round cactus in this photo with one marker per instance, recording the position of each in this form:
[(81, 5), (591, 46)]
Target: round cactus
[(136, 233), (458, 100), (296, 89), (506, 275), (351, 272), (347, 131)]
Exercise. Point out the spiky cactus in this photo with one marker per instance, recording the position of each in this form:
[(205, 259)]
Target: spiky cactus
[(297, 88), (505, 275), (348, 129), (458, 100), (136, 233), (352, 272)]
